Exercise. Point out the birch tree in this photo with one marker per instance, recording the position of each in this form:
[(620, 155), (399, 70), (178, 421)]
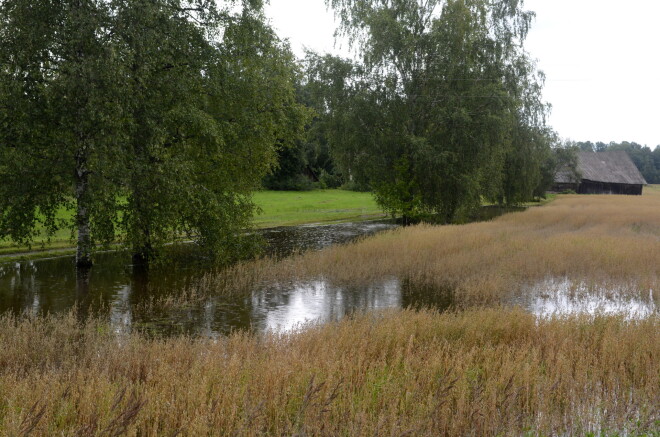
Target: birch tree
[(151, 119), (446, 97)]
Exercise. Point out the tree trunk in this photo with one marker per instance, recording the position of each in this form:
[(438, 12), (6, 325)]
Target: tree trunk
[(144, 253), (83, 38), (84, 247)]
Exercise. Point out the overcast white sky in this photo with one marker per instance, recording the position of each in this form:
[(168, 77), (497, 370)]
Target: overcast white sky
[(601, 59)]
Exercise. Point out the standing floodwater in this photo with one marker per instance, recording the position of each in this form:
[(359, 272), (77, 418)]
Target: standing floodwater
[(132, 299), (123, 291)]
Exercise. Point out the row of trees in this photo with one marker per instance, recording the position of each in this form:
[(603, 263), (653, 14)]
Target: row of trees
[(646, 160), (444, 109), (149, 118), (157, 118)]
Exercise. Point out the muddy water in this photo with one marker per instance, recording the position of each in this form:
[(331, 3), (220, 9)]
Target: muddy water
[(121, 292)]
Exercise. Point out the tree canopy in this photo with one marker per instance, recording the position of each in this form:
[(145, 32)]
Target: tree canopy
[(445, 108), (152, 119)]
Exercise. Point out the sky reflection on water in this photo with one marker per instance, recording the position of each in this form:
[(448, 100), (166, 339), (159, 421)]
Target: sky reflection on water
[(562, 296), (283, 309)]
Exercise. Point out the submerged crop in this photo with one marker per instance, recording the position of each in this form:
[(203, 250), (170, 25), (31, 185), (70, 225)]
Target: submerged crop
[(595, 240)]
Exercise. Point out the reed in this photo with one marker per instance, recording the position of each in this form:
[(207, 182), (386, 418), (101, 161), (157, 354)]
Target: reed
[(598, 240), (479, 372)]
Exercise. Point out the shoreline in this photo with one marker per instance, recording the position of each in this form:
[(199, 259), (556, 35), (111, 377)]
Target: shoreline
[(62, 252)]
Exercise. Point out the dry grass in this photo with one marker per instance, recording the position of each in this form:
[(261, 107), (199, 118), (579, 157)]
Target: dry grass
[(480, 372), (599, 240)]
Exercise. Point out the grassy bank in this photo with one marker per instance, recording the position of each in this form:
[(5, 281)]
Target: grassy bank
[(277, 208), (483, 372), (597, 240), (286, 208)]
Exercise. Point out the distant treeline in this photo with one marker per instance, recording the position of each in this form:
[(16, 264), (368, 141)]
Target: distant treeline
[(646, 159)]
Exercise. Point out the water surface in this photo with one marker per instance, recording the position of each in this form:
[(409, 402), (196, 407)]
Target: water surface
[(563, 296), (123, 291)]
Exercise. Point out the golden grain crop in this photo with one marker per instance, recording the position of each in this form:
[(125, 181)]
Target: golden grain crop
[(479, 372)]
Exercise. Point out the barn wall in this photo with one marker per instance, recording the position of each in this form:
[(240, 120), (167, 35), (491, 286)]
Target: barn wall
[(559, 187), (591, 187)]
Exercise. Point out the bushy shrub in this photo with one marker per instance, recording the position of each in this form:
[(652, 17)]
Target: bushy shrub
[(329, 180), (293, 183), (356, 186)]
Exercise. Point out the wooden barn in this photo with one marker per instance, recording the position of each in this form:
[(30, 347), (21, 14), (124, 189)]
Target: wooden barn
[(610, 172)]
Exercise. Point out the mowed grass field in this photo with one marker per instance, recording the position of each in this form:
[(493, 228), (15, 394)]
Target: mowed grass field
[(480, 369), (286, 208), (277, 208)]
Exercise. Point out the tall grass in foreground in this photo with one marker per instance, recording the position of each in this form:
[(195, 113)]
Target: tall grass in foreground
[(597, 240), (480, 372)]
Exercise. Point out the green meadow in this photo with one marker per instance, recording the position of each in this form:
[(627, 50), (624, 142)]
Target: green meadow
[(276, 208), (287, 208)]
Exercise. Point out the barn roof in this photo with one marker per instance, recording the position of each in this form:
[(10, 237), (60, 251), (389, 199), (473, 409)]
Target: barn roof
[(613, 167)]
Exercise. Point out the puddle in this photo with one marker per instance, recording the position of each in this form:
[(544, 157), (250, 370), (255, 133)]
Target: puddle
[(559, 297), (282, 309)]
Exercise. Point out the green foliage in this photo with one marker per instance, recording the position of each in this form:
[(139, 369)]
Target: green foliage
[(327, 90), (60, 118), (292, 172), (152, 119), (444, 110), (294, 182), (329, 180), (310, 160), (531, 165), (402, 194), (566, 157)]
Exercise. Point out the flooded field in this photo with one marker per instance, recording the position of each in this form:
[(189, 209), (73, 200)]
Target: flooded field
[(127, 294), (523, 346), (495, 263), (123, 291)]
